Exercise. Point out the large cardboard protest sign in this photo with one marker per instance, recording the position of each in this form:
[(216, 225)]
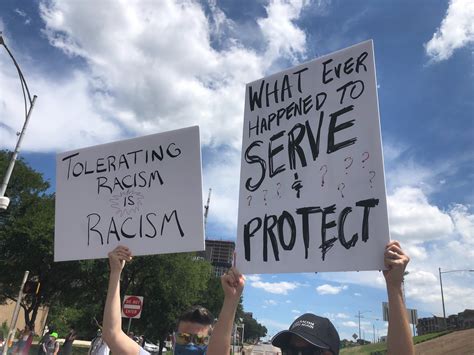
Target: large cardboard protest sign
[(145, 193), (312, 190)]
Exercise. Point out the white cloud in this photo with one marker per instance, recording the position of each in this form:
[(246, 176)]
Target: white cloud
[(150, 67), (327, 289), (295, 311), (357, 294), (280, 288), (350, 324), (270, 302), (413, 218), (463, 223), (284, 38), (456, 31)]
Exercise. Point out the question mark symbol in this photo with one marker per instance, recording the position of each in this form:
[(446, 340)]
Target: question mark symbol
[(325, 172), (249, 198), (371, 172), (366, 158), (341, 187), (350, 160), (278, 189), (265, 196)]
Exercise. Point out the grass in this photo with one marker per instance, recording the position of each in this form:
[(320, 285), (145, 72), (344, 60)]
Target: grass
[(382, 347)]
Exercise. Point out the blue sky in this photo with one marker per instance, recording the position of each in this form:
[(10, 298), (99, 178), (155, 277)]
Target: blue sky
[(112, 70)]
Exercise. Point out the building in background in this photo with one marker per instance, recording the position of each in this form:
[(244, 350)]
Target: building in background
[(6, 313), (462, 320), (220, 253)]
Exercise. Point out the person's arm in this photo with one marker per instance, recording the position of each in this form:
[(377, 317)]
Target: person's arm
[(112, 332), (56, 348), (233, 285), (399, 338)]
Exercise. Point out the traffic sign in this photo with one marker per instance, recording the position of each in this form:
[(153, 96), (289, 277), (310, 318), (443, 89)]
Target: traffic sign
[(132, 307)]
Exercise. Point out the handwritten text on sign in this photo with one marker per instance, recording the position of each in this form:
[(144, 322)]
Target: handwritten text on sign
[(145, 193), (312, 191)]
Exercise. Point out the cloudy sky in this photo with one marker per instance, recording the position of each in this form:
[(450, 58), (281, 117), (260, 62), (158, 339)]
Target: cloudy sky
[(109, 70)]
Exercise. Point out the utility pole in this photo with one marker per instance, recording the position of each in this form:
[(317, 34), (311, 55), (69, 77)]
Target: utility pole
[(359, 315), (206, 208), (11, 331)]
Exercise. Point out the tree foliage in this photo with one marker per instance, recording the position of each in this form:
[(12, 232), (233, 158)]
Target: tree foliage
[(26, 239), (253, 330)]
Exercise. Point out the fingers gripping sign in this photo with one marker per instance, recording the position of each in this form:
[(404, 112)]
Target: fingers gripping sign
[(118, 257), (396, 261)]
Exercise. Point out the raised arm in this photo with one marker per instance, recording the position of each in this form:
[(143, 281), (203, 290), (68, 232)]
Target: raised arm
[(399, 338), (233, 284), (112, 332)]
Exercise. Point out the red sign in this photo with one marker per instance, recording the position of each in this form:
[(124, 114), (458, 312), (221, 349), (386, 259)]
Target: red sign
[(132, 306)]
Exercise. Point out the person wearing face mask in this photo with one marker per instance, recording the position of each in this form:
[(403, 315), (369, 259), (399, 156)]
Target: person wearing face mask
[(193, 334), (314, 335)]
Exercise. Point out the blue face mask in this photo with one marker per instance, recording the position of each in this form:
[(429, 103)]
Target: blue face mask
[(189, 349)]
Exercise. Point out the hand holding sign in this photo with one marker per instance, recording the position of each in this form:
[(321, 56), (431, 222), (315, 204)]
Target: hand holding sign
[(118, 257)]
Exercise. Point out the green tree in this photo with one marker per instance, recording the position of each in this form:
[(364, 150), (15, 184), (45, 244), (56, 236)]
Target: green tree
[(26, 243), (253, 330), (26, 238)]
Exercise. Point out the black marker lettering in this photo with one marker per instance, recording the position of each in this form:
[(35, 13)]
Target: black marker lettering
[(326, 245), (268, 231), (294, 146), (334, 128), (367, 204), (255, 159), (249, 234), (89, 228), (272, 152), (168, 219), (288, 218), (342, 218), (69, 157)]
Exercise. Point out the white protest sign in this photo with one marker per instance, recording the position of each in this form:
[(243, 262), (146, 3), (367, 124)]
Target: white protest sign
[(145, 193), (312, 187)]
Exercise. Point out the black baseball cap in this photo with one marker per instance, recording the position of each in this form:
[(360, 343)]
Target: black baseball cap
[(316, 330)]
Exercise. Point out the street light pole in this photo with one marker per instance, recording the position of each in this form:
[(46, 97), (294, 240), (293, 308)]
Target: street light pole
[(5, 201), (441, 286), (442, 295)]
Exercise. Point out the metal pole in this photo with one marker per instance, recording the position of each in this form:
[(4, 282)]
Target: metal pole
[(129, 324), (442, 298), (11, 331), (359, 324), (373, 326), (3, 187)]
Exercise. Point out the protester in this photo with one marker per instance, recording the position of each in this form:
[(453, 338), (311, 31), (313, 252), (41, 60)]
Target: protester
[(66, 349), (51, 346), (310, 334), (23, 345), (45, 339), (193, 335), (98, 345)]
